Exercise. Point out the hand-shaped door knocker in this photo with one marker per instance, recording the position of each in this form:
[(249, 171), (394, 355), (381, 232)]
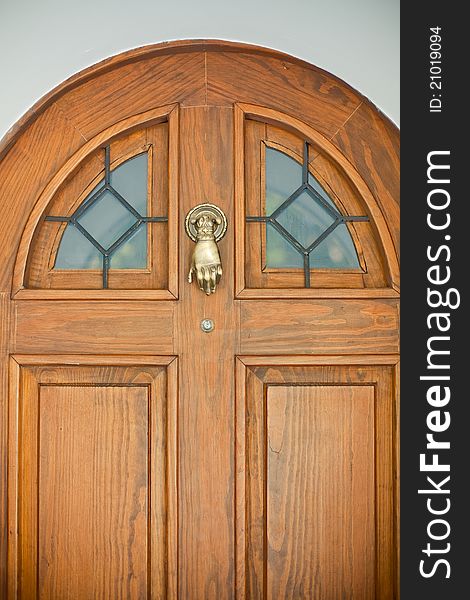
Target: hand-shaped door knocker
[(206, 224)]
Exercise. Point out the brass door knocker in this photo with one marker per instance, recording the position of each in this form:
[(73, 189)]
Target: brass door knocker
[(206, 224)]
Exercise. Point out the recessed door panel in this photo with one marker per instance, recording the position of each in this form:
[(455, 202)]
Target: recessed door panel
[(93, 493), (320, 492), (94, 485), (315, 480)]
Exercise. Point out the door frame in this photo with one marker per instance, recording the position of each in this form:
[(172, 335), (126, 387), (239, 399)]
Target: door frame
[(61, 127), (19, 364)]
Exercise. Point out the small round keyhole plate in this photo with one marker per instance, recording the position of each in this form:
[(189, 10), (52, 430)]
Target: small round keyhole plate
[(207, 325)]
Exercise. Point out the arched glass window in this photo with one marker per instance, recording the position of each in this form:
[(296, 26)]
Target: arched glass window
[(304, 227), (105, 224), (306, 219), (109, 228), (309, 221)]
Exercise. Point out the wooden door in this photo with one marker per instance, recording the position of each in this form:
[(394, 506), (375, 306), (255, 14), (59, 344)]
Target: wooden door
[(149, 458)]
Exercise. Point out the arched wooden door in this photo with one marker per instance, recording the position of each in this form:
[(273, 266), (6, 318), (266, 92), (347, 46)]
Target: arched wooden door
[(146, 457)]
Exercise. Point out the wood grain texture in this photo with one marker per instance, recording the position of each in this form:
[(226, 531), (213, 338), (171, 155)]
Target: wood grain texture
[(25, 171), (372, 145), (93, 470), (92, 359), (96, 294), (136, 55), (105, 66), (5, 340), (290, 418), (94, 327), (206, 479), (119, 342), (320, 492), (372, 271), (149, 52), (135, 88), (312, 96), (343, 293), (319, 326), (96, 513), (318, 360)]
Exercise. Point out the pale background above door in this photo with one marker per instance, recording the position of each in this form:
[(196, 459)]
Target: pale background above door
[(44, 43)]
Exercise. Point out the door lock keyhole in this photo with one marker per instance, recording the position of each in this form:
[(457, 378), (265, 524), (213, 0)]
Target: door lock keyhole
[(207, 325)]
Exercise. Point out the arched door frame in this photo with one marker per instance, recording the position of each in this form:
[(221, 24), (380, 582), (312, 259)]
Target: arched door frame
[(60, 128)]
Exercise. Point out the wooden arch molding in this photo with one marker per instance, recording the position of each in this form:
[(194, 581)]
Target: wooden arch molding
[(62, 125)]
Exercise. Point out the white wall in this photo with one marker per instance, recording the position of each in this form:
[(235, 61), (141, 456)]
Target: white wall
[(42, 42)]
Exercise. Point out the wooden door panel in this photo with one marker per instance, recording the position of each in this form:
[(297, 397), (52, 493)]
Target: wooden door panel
[(315, 481), (319, 326), (95, 471), (101, 327), (320, 492)]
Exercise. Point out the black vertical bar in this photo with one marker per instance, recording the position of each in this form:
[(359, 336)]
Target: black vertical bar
[(105, 271), (305, 164), (307, 269), (435, 519)]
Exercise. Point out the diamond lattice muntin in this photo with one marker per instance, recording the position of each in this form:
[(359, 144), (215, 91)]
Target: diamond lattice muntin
[(306, 217), (124, 219)]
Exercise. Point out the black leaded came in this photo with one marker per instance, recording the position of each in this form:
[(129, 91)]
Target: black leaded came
[(317, 216), (127, 218)]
